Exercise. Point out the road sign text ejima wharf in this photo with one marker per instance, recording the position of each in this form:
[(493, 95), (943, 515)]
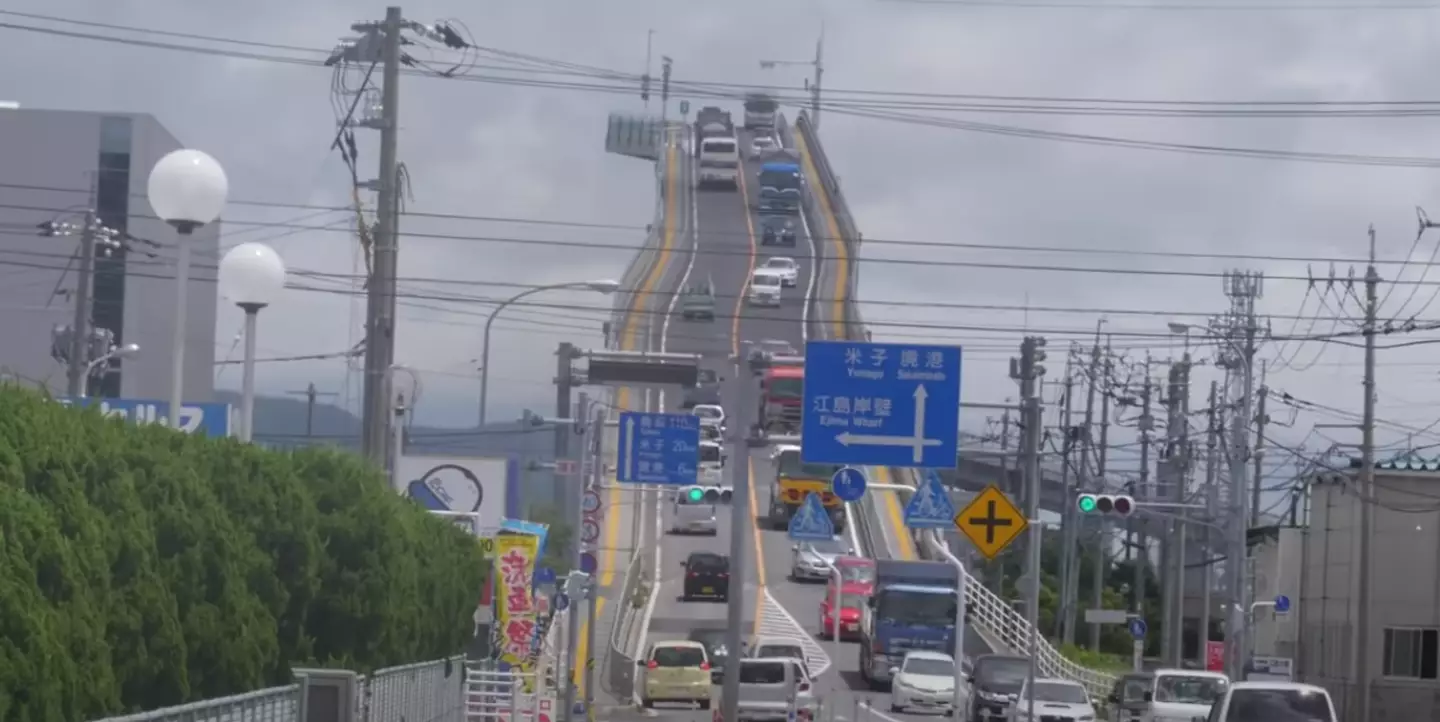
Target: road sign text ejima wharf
[(881, 404), (211, 419)]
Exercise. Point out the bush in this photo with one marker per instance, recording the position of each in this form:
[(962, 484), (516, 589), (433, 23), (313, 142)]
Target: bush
[(140, 568)]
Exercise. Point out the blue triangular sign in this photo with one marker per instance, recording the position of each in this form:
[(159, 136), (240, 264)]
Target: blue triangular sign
[(930, 506), (811, 522)]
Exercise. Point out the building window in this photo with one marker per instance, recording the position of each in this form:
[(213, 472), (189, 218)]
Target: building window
[(1411, 653)]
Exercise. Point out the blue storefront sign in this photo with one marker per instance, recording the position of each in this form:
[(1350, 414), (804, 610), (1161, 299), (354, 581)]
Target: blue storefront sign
[(210, 419)]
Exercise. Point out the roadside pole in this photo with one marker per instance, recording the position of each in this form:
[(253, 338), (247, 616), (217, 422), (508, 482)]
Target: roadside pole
[(741, 437), (575, 587), (591, 483)]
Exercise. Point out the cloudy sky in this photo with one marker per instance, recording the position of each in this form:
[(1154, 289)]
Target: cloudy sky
[(905, 130)]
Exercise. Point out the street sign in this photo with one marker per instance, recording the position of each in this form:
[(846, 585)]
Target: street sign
[(1138, 628), (487, 546), (811, 522), (1106, 616), (930, 507), (880, 404), (588, 563), (991, 521), (210, 419), (544, 575), (848, 484), (1282, 604), (659, 448), (566, 467), (591, 502), (590, 531), (562, 601)]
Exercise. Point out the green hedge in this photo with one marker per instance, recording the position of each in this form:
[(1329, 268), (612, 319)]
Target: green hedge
[(140, 568)]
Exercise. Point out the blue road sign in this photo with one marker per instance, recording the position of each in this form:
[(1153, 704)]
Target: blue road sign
[(587, 563), (562, 600), (544, 575), (848, 484), (930, 506), (1138, 628), (1282, 603), (881, 404), (659, 448), (209, 419), (811, 522)]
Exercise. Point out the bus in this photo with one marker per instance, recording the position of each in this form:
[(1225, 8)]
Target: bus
[(720, 162), (760, 112)]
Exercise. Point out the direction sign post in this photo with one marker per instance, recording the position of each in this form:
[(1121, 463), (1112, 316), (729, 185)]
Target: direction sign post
[(991, 521), (659, 449), (811, 522), (848, 484), (930, 506), (879, 404)]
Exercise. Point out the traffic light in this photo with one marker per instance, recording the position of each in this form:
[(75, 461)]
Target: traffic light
[(645, 87), (1113, 504), (705, 495)]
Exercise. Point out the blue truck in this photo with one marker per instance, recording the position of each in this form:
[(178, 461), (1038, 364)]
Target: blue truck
[(780, 188), (912, 608)]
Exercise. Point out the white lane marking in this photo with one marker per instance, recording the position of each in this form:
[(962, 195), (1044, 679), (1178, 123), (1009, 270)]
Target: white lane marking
[(776, 621), (655, 494), (882, 715)]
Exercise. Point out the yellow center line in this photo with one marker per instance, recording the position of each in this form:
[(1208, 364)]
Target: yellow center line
[(838, 330), (622, 400), (735, 351)]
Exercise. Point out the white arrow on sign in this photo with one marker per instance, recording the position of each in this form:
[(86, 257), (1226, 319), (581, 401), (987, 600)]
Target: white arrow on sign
[(630, 448), (916, 441)]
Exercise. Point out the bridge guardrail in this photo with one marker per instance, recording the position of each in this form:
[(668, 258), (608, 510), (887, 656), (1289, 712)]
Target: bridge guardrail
[(618, 675), (640, 264), (989, 611)]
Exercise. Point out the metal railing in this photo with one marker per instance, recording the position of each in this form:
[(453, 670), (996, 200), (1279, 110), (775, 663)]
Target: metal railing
[(618, 673), (422, 692), (641, 263)]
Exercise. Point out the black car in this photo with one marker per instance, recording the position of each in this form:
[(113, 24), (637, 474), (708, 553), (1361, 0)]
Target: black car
[(993, 678), (715, 650), (707, 576), (782, 234)]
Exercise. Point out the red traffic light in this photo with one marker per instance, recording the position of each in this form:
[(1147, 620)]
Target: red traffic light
[(1123, 505), (1116, 504)]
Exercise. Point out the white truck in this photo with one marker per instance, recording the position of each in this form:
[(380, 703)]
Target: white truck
[(1272, 702)]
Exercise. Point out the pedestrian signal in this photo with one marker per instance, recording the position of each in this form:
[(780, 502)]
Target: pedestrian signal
[(1112, 504)]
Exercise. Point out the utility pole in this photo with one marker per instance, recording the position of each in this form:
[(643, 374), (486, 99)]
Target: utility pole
[(1098, 585), (1367, 487), (380, 296), (1258, 475), (580, 425), (1142, 491), (1071, 533), (645, 79), (75, 371), (311, 395), (812, 86), (565, 383), (1027, 370), (1238, 327), (1212, 468), (666, 63), (1175, 468), (1067, 510), (999, 578)]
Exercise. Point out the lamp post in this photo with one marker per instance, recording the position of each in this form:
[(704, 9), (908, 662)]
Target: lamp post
[(187, 189), (126, 351), (604, 286), (251, 276)]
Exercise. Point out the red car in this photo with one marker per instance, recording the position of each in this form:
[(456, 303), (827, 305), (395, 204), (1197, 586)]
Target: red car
[(851, 600), (857, 571)]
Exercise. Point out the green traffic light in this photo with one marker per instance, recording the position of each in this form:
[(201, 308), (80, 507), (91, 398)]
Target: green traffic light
[(696, 494), (1087, 504)]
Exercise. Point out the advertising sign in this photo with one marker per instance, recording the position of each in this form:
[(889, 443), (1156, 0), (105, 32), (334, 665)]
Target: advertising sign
[(210, 419), (1215, 656), (515, 612), (486, 486)]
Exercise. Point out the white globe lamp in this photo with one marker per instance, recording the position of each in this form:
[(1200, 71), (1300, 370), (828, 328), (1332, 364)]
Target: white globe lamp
[(252, 277)]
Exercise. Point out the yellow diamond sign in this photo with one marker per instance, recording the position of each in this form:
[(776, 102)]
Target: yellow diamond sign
[(991, 521)]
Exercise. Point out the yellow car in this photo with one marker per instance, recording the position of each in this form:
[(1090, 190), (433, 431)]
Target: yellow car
[(676, 671)]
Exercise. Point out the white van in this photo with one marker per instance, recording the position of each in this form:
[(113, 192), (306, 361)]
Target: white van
[(720, 162), (765, 288), (693, 519)]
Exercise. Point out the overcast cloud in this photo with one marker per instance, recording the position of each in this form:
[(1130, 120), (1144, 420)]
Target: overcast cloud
[(481, 149)]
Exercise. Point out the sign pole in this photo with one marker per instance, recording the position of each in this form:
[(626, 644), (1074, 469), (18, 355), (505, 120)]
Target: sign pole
[(582, 411), (739, 528)]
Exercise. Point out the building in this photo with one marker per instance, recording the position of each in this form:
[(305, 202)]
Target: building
[(1404, 645), (56, 165)]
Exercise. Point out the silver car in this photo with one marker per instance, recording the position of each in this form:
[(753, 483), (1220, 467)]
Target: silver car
[(814, 561)]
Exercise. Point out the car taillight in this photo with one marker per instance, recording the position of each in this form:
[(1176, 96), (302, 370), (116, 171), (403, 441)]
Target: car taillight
[(693, 575), (704, 666), (653, 664)]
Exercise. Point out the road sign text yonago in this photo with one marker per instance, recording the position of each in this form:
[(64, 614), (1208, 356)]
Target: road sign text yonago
[(881, 404)]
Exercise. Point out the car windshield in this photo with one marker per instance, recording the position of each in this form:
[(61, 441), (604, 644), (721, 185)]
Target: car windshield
[(678, 657), (709, 453), (1060, 692), (714, 643), (766, 279), (708, 563), (708, 412), (930, 667), (1185, 689), (790, 463), (760, 672), (848, 601), (1277, 705), (831, 548), (1003, 672), (707, 376), (780, 263), (780, 650), (858, 573), (927, 609)]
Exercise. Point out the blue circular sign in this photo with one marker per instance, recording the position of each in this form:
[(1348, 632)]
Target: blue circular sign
[(848, 484), (588, 563), (1138, 628), (1282, 603), (544, 575), (562, 600)]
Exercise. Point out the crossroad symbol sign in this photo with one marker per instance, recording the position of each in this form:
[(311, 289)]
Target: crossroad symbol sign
[(811, 522), (930, 506), (991, 521)]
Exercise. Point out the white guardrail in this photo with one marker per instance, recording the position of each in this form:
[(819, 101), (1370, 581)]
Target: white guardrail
[(997, 620)]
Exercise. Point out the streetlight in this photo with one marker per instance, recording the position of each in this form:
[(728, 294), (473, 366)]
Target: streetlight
[(126, 351), (251, 276), (604, 286), (187, 189)]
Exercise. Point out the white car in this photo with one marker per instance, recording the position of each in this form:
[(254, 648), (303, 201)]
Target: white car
[(1055, 699), (710, 415), (693, 519), (765, 288), (924, 681), (815, 561), (788, 269), (761, 145)]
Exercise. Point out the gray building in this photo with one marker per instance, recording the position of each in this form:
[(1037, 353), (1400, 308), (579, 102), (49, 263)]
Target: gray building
[(54, 165), (1404, 640)]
